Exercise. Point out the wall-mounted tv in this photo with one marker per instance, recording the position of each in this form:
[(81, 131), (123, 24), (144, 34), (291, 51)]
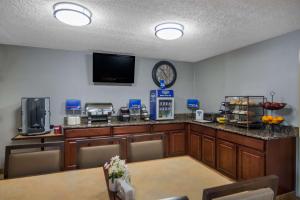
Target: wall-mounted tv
[(111, 68)]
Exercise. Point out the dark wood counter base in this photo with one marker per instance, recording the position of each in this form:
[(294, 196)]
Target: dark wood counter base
[(237, 156)]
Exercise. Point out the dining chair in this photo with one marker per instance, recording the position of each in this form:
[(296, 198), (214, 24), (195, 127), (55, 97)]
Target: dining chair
[(96, 152), (112, 195), (146, 147), (19, 163), (262, 188)]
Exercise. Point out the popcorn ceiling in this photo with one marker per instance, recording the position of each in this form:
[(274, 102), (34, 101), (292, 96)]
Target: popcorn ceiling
[(212, 27)]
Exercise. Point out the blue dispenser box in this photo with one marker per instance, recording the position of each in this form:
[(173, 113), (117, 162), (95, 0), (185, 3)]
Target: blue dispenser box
[(192, 104), (135, 104), (73, 105)]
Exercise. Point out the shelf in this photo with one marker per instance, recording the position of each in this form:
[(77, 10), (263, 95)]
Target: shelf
[(250, 105), (248, 108), (244, 114)]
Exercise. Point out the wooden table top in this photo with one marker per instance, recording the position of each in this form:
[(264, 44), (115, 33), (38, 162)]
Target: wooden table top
[(42, 136), (152, 180)]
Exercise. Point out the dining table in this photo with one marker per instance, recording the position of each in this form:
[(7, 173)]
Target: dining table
[(154, 179)]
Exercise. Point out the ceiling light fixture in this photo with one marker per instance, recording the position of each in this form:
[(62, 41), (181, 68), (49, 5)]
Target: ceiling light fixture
[(72, 14), (169, 31)]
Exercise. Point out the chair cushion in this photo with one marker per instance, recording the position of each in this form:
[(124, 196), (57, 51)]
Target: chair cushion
[(260, 194), (33, 163), (147, 150), (97, 155)]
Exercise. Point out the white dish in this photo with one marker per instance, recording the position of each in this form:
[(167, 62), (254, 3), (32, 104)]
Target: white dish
[(202, 121)]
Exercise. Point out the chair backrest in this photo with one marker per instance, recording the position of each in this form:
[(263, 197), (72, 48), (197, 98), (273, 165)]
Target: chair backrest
[(259, 194), (146, 147), (176, 198), (97, 151), (33, 163), (256, 188)]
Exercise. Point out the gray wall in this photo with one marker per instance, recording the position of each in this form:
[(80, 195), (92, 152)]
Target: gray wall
[(31, 72), (254, 70)]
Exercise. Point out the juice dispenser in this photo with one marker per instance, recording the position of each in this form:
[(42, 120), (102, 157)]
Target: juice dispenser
[(135, 109), (162, 104)]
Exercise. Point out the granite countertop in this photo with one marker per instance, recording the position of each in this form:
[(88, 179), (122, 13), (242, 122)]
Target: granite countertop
[(263, 134), (119, 123)]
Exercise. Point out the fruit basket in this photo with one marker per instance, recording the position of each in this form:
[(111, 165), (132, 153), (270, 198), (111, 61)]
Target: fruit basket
[(271, 121), (273, 105), (276, 120), (221, 120)]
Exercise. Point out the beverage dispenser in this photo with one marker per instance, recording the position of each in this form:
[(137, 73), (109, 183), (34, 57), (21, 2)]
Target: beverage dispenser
[(162, 104)]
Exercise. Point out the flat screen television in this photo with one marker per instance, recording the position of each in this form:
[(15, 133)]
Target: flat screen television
[(111, 68)]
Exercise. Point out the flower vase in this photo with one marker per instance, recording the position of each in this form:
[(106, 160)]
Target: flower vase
[(113, 185)]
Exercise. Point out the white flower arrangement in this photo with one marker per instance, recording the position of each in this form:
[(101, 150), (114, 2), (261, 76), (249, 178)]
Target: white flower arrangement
[(117, 168)]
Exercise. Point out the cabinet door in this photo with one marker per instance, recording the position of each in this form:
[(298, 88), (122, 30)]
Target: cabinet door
[(176, 143), (70, 154), (251, 163), (208, 150), (226, 158), (195, 145)]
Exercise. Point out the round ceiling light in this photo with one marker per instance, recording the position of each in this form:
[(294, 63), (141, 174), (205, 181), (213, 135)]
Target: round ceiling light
[(72, 14), (169, 31)]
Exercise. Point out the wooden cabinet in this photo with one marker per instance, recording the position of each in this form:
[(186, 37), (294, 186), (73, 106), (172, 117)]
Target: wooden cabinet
[(176, 141), (227, 158), (237, 156), (176, 137), (251, 163), (195, 145), (203, 130), (71, 150), (72, 135), (87, 132), (125, 130), (250, 142), (168, 127), (70, 154), (208, 150)]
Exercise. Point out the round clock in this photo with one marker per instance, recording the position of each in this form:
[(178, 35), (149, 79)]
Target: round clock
[(164, 70)]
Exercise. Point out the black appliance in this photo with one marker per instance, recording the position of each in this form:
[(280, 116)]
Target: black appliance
[(110, 68), (211, 116), (35, 115), (124, 114)]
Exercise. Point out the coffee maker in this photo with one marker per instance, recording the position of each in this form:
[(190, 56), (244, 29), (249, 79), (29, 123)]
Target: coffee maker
[(124, 114), (144, 113), (35, 115)]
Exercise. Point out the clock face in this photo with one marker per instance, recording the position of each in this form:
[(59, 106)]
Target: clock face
[(166, 71)]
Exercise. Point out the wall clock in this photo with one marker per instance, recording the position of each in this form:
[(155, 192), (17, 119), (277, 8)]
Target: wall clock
[(164, 70)]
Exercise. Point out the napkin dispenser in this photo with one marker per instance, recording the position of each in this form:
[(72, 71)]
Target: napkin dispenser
[(125, 190)]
